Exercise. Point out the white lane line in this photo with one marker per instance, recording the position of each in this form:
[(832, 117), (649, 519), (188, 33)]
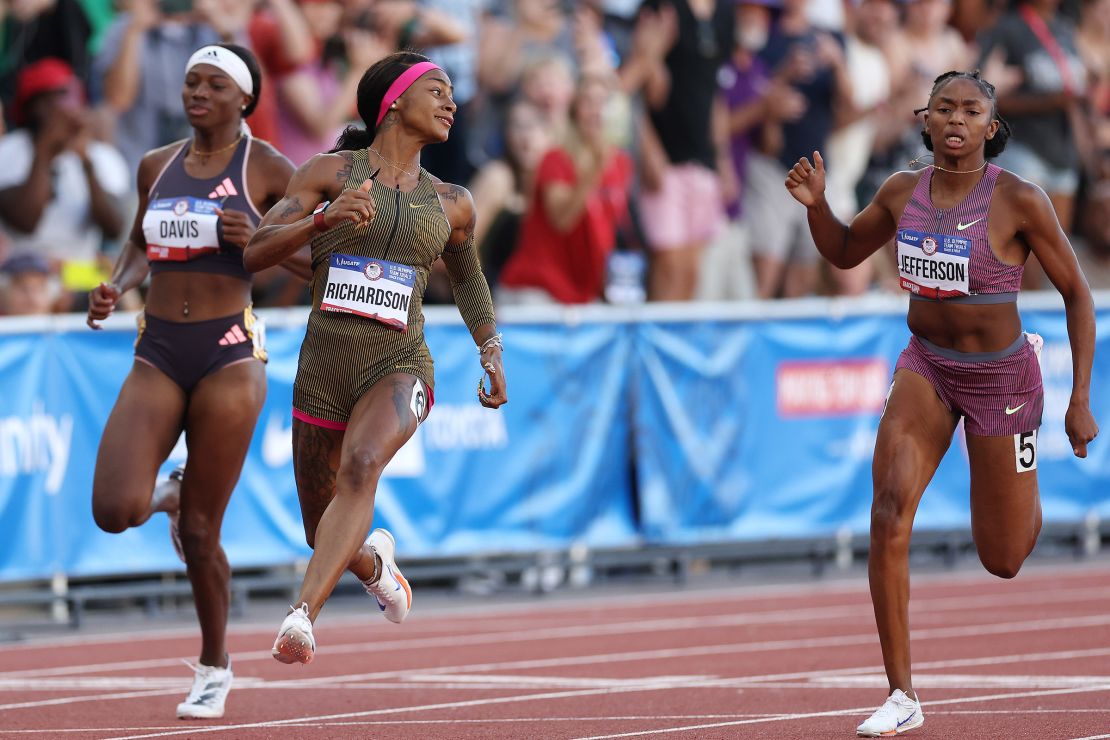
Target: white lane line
[(604, 658), (643, 626), (1093, 737), (94, 697), (402, 710), (868, 638), (842, 712), (594, 692)]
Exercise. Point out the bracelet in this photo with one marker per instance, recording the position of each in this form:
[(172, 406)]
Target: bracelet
[(318, 216), (494, 341)]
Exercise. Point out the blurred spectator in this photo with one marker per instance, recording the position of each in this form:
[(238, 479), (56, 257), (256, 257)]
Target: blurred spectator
[(453, 160), (1045, 107), (502, 188), (857, 121), (515, 34), (39, 29), (547, 82), (27, 287), (317, 99), (1093, 41), (578, 202), (138, 71), (924, 48), (60, 191), (812, 63), (751, 98), (281, 42), (685, 149)]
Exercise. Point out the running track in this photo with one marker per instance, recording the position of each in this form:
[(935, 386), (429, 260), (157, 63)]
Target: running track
[(1028, 658)]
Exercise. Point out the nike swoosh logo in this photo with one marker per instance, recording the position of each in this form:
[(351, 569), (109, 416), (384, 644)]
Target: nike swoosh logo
[(1014, 411), (414, 205), (907, 719), (961, 226)]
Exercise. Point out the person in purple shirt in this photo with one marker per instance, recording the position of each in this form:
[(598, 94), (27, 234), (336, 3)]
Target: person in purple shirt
[(964, 229)]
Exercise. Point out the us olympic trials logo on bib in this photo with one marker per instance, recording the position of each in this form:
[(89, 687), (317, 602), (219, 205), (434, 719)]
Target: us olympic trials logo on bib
[(372, 271), (180, 208), (929, 246)]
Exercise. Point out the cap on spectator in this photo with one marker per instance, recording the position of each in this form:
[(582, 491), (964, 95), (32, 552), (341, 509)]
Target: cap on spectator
[(25, 263), (39, 77)]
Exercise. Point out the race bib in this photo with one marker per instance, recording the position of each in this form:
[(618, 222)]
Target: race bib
[(180, 229), (375, 288), (933, 265)]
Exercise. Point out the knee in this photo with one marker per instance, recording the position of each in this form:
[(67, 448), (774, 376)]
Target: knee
[(360, 471), (200, 540), (112, 516), (1003, 565), (891, 516)]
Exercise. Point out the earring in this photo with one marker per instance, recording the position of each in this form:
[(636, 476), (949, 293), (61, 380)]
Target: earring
[(243, 108)]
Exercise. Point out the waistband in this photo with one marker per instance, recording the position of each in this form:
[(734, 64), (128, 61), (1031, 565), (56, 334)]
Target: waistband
[(979, 298), (951, 354), (221, 321)]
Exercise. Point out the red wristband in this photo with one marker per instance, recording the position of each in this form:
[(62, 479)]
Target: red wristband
[(318, 216)]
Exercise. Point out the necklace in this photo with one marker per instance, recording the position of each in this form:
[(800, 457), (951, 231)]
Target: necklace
[(199, 153), (391, 163), (917, 160)]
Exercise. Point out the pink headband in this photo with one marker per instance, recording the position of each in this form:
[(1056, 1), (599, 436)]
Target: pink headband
[(403, 82)]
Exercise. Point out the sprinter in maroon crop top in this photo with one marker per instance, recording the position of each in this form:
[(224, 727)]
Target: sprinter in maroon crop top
[(963, 229), (199, 358)]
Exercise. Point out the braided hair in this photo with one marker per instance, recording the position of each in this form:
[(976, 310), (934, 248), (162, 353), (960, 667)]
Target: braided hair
[(994, 146)]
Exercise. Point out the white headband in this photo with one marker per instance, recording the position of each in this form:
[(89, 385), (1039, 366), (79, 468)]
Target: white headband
[(227, 62)]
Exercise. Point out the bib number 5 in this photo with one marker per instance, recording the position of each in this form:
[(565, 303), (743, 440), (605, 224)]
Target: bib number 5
[(1025, 451)]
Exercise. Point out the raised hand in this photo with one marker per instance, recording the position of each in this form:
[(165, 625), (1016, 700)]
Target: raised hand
[(102, 301), (354, 205), (806, 182)]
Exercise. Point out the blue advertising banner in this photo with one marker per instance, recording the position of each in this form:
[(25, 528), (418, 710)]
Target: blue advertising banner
[(757, 429), (663, 424), (539, 473)]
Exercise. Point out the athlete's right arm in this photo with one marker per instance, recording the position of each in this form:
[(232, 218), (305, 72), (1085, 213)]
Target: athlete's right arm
[(131, 266), (845, 246), (289, 225)]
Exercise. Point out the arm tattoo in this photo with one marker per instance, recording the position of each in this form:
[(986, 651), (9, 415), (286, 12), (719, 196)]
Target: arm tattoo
[(451, 193), (344, 172), (292, 207)]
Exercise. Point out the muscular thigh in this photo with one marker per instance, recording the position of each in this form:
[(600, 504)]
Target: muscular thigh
[(914, 433), (382, 421), (223, 411), (143, 427), (1005, 502)]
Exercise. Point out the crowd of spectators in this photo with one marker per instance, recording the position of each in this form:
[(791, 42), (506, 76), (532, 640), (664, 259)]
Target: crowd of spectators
[(607, 143)]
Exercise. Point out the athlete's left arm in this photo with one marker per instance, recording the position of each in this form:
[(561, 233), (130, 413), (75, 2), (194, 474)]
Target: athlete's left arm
[(471, 291), (269, 175), (1040, 229)]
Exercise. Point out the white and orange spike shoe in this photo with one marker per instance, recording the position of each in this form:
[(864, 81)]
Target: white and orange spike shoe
[(391, 590), (295, 643)]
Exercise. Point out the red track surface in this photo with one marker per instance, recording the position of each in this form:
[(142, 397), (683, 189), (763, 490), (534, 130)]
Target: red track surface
[(1028, 658)]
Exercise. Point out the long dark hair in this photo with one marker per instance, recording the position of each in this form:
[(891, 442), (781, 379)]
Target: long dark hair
[(252, 67), (372, 88), (994, 146)]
